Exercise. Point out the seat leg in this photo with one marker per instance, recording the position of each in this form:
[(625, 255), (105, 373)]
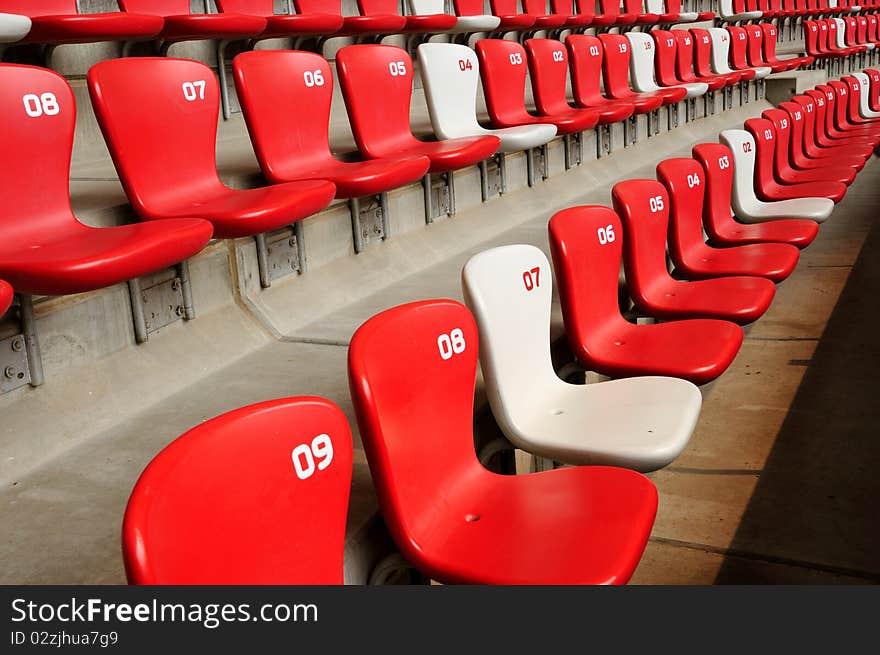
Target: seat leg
[(484, 180), (225, 100), (31, 342), (450, 190), (530, 166), (137, 310), (566, 143), (189, 309), (429, 205)]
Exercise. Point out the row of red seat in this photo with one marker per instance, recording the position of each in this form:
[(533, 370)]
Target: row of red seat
[(836, 37), (786, 9), (58, 21), (412, 370)]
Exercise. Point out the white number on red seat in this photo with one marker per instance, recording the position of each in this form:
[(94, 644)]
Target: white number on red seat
[(693, 180), (40, 105), (621, 47), (304, 456), (194, 90), (656, 204), (465, 65), (768, 134), (451, 344), (670, 43), (797, 115), (606, 235), (397, 68), (783, 123), (313, 78), (809, 108), (594, 51), (532, 278), (558, 55), (723, 162), (515, 58)]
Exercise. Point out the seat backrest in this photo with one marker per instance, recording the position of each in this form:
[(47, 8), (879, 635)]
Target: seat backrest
[(378, 7), (764, 137), (702, 52), (509, 290), (717, 163), (782, 129), (256, 496), (562, 7), (427, 7), (248, 7), (720, 50), (633, 6), (468, 7), (802, 112), (811, 37), (754, 43), (642, 54), (412, 371), (285, 97), (849, 30), (376, 82), (504, 7), (534, 7), (503, 68), (738, 43), (40, 8), (665, 45), (548, 70), (768, 42), (822, 118), (159, 118), (683, 179), (318, 7), (643, 207), (156, 7), (864, 91), (39, 115), (586, 244), (450, 74), (684, 55), (615, 65), (742, 148), (585, 58), (609, 7), (836, 30), (583, 7)]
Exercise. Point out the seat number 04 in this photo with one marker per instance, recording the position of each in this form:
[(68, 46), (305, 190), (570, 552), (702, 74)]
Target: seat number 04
[(451, 344), (45, 104), (309, 457)]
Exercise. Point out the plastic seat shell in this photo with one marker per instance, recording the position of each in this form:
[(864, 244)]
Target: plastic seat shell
[(13, 27), (283, 25), (181, 25)]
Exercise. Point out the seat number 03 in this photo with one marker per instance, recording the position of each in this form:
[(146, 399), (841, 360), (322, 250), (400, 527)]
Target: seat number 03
[(451, 344)]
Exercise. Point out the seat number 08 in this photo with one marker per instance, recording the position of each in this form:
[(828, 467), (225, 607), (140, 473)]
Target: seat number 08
[(451, 344), (40, 105)]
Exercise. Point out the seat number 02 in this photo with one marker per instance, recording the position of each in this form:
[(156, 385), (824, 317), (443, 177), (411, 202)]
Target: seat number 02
[(451, 344), (40, 105), (305, 456)]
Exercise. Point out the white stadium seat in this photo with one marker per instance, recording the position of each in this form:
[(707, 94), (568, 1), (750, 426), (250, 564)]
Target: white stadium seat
[(642, 423), (13, 27), (747, 207), (864, 91), (465, 24)]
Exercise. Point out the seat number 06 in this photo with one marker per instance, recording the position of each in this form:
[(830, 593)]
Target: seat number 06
[(451, 344), (304, 456)]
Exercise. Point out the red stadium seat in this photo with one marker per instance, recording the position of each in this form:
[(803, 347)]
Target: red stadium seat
[(643, 206), (703, 59), (538, 9), (181, 25), (376, 83), (585, 56), (684, 63), (57, 22), (611, 14), (575, 19), (257, 496), (853, 92), (548, 70), (685, 182), (847, 116), (44, 249), (719, 223), (159, 119), (874, 95), (768, 47), (5, 297), (506, 11), (357, 26), (456, 521), (821, 139), (766, 145), (755, 51), (586, 244), (503, 67), (283, 25), (275, 85), (413, 23)]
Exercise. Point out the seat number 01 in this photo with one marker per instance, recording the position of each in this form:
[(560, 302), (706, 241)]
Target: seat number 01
[(451, 344), (40, 105), (304, 456)]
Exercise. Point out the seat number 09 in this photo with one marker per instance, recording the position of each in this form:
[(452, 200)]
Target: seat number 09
[(42, 105), (305, 455), (451, 344)]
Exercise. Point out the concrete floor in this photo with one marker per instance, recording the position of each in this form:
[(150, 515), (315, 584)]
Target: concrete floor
[(777, 484)]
